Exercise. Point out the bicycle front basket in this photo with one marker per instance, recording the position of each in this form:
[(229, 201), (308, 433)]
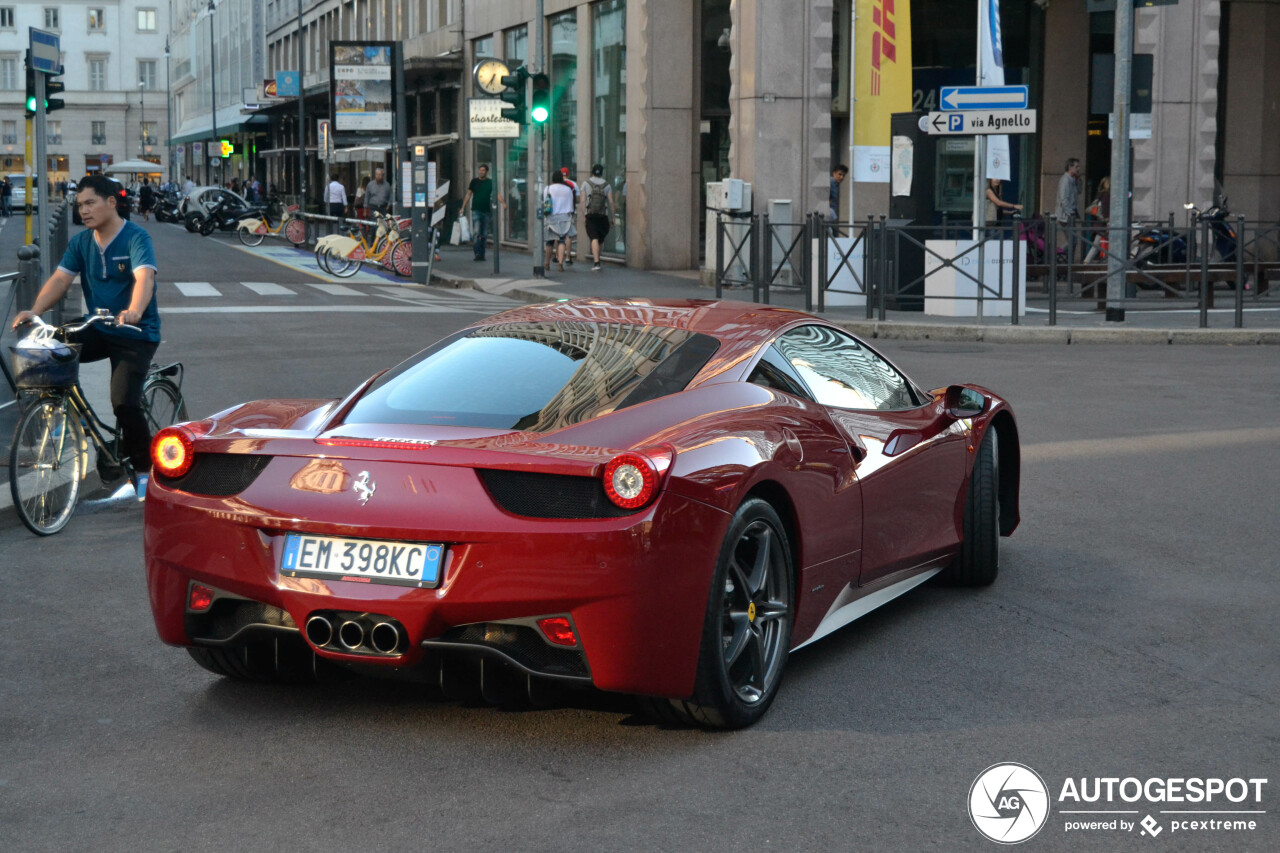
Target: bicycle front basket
[(36, 367)]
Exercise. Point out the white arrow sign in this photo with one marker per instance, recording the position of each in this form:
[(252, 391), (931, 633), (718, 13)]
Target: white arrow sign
[(984, 98), (980, 122)]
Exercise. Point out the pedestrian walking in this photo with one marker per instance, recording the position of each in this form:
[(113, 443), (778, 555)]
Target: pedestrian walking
[(559, 218), (335, 196), (187, 186), (598, 210), (1066, 209), (358, 204), (6, 197), (573, 216), (838, 174), (1100, 211), (146, 199), (377, 196), (996, 205), (480, 194)]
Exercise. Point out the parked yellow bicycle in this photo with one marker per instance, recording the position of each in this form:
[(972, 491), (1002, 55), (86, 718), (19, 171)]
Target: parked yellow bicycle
[(254, 229), (343, 255)]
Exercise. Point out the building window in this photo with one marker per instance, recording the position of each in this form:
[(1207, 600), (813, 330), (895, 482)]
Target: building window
[(146, 20), (99, 133), (609, 111), (564, 92), (52, 20), (147, 73), (97, 20), (9, 72), (55, 132), (97, 75), (9, 132), (483, 47), (6, 17), (516, 51)]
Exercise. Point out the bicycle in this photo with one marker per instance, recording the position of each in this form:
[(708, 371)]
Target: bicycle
[(252, 230), (50, 453), (343, 255)]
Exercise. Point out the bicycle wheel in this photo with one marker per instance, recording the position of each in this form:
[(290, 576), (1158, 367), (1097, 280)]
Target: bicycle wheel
[(46, 465), (322, 259), (163, 404), (402, 259), (296, 232), (342, 267), (250, 238)]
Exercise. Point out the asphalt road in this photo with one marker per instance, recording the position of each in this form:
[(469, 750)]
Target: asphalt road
[(1132, 633)]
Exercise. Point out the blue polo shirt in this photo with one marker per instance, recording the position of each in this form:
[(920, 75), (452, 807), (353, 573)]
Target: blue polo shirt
[(106, 276)]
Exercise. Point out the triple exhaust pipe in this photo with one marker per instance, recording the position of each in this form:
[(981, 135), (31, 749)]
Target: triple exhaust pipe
[(382, 637)]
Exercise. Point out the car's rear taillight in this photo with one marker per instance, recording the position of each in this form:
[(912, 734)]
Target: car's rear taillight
[(172, 451), (631, 479)]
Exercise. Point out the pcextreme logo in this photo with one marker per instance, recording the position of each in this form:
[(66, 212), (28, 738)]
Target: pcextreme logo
[(1009, 803)]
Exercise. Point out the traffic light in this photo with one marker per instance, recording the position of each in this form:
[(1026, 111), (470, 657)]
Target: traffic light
[(52, 86), (540, 101), (31, 91), (514, 94)]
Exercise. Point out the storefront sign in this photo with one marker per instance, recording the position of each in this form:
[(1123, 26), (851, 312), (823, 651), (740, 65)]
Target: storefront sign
[(360, 90), (486, 121)]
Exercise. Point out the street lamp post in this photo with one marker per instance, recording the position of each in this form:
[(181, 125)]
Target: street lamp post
[(168, 109), (213, 95), (142, 118)]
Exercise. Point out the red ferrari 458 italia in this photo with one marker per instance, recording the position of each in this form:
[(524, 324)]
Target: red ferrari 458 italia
[(657, 498)]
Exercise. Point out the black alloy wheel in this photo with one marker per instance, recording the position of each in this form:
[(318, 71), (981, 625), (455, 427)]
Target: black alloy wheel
[(747, 634)]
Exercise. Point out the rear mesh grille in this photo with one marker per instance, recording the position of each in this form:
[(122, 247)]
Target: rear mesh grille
[(229, 616), (550, 495), (218, 474), (523, 645)]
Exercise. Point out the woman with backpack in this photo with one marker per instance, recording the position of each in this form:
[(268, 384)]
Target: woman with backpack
[(599, 212)]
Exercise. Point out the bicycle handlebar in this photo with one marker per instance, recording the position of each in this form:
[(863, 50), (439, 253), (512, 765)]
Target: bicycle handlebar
[(102, 315)]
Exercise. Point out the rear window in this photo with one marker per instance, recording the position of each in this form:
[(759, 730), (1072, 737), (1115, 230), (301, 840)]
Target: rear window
[(535, 377)]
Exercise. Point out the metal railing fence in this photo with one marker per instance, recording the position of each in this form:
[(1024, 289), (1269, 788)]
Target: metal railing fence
[(883, 265)]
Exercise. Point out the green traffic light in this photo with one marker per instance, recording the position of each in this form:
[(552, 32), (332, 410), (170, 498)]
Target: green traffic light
[(31, 104), (540, 114)]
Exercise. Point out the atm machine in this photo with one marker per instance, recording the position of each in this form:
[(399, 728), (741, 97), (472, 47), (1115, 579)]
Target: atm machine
[(940, 195)]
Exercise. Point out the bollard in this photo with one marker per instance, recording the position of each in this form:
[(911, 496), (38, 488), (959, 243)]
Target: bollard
[(29, 283)]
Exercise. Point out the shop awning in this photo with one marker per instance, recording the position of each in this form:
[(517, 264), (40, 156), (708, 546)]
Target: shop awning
[(252, 124), (360, 154)]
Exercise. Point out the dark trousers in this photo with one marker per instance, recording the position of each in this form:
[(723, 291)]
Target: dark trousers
[(479, 232), (130, 361), (336, 208)]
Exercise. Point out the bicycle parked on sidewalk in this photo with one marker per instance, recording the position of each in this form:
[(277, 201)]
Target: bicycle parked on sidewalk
[(252, 230), (50, 452), (343, 255)]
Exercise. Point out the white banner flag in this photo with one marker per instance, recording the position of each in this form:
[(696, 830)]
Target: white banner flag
[(991, 73)]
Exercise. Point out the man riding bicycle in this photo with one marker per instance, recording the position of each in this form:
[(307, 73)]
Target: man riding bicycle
[(116, 263)]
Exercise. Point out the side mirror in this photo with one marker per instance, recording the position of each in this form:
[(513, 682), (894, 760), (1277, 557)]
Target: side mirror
[(965, 402)]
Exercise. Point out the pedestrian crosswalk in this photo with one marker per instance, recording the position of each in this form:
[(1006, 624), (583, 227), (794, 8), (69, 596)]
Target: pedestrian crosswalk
[(266, 296)]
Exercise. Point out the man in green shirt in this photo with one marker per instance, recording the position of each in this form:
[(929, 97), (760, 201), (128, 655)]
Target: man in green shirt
[(480, 194)]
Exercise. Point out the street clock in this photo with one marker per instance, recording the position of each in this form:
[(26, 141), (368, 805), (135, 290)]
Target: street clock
[(489, 74)]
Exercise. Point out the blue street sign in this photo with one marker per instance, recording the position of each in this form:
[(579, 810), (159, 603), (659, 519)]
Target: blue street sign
[(45, 51), (983, 98), (287, 84), (955, 124)]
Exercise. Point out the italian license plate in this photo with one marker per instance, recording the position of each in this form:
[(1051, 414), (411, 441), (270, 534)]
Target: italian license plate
[(362, 560)]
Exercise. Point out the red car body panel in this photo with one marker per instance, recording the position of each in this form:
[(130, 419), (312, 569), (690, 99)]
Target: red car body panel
[(865, 495)]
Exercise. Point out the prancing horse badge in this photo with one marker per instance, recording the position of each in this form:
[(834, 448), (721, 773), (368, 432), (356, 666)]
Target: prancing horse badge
[(364, 487)]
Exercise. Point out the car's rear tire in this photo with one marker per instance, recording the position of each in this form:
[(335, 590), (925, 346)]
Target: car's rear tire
[(747, 632), (978, 562), (280, 659), (192, 221)]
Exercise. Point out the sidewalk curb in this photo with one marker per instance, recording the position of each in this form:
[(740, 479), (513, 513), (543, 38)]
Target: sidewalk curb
[(910, 331)]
